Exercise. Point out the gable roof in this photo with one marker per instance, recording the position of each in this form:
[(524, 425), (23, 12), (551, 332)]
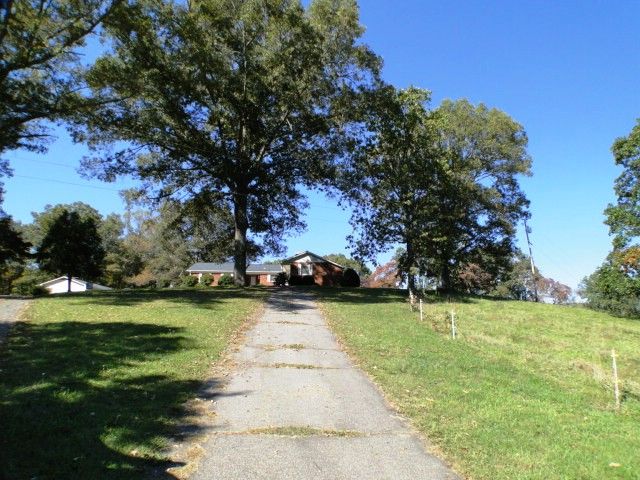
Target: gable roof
[(227, 267), (77, 281), (315, 258)]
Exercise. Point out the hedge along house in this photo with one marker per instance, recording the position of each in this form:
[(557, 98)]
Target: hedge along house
[(257, 274), (324, 272)]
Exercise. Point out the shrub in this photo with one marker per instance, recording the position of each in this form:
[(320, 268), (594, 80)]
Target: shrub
[(225, 280), (188, 281), (280, 280), (206, 280), (26, 283), (350, 278), (611, 290), (38, 291), (301, 280)]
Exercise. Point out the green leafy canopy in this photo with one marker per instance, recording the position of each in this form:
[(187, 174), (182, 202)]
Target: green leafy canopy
[(40, 67), (443, 183), (240, 103)]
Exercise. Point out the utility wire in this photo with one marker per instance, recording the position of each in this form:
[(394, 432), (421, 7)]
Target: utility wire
[(59, 164), (47, 162), (29, 177)]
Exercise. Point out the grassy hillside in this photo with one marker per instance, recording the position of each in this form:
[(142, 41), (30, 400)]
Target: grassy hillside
[(523, 392), (92, 386)]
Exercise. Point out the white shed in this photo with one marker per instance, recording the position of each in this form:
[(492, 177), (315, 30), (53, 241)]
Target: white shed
[(60, 285)]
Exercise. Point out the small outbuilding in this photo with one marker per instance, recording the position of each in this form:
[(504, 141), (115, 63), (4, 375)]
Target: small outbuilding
[(61, 285)]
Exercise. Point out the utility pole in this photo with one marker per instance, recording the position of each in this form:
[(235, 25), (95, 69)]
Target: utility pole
[(527, 231)]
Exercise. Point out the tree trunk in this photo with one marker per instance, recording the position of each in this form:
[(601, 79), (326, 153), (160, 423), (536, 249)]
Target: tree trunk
[(445, 278), (241, 224), (68, 283), (410, 261)]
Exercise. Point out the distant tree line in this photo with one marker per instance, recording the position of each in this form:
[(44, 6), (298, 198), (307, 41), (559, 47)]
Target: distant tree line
[(517, 281), (142, 248)]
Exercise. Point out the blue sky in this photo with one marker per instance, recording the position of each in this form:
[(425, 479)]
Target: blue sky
[(568, 71)]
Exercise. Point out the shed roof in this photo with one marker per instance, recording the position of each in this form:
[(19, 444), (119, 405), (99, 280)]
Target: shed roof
[(77, 281)]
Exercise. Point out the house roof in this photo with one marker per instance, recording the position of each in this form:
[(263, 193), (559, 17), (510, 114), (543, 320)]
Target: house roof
[(227, 267), (77, 281), (315, 258)]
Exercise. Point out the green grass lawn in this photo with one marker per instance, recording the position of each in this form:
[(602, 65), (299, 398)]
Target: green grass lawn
[(92, 386), (524, 392)]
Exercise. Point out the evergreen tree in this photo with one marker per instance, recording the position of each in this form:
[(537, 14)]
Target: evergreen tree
[(72, 247)]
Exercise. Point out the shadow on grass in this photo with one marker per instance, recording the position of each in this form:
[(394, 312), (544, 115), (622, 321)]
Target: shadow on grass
[(67, 391), (207, 298)]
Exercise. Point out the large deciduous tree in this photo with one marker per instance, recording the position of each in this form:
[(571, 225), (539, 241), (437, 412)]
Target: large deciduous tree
[(72, 247), (479, 202), (390, 178), (442, 183), (239, 102), (39, 42)]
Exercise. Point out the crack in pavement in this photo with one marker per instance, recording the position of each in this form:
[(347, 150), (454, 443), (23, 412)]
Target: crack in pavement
[(306, 412)]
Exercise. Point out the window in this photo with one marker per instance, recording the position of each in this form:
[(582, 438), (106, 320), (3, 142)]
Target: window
[(306, 269)]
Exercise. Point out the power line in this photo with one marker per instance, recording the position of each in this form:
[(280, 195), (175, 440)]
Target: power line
[(46, 162), (67, 183), (560, 266), (325, 207)]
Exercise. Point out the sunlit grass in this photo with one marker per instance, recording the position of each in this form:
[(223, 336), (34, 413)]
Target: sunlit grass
[(525, 391)]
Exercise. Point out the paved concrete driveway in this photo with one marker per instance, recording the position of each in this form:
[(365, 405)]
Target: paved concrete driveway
[(297, 408), (10, 310)]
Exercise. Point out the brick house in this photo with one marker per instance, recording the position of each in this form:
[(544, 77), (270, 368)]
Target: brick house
[(258, 274), (324, 272)]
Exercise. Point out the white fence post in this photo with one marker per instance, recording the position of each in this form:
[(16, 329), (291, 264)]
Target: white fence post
[(421, 310), (616, 387), (453, 324)]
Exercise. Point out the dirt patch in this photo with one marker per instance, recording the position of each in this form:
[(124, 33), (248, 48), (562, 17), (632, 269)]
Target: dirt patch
[(303, 431), (302, 366), (12, 310)]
